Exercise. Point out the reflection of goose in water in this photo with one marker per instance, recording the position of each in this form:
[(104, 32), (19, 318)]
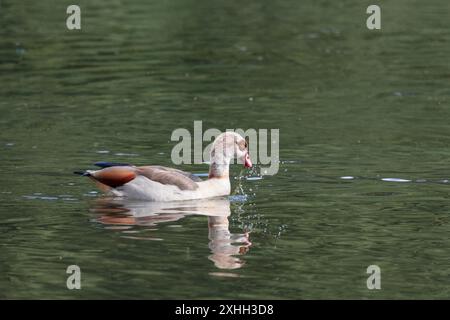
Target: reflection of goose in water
[(224, 245), (223, 250)]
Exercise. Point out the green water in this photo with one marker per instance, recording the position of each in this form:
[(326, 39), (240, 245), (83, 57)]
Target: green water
[(349, 102)]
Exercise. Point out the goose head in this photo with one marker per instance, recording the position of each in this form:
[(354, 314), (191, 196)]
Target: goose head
[(228, 146)]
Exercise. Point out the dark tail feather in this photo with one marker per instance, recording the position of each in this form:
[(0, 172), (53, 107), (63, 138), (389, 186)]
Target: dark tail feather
[(103, 164), (82, 173)]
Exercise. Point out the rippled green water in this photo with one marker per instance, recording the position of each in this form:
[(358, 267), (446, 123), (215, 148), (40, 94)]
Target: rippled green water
[(357, 111)]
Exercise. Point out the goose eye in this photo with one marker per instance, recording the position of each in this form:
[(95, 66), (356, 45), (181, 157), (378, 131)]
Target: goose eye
[(242, 145)]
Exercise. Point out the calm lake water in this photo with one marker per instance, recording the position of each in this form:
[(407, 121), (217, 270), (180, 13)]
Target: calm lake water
[(364, 148)]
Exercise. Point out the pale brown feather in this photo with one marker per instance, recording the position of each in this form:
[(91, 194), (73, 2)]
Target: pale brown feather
[(169, 176)]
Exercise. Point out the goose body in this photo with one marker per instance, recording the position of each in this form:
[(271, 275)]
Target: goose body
[(159, 183), (143, 188)]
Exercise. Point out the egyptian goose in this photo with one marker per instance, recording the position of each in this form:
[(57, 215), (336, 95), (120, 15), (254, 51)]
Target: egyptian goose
[(158, 183)]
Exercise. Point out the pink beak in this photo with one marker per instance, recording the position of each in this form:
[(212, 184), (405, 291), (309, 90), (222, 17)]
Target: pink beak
[(247, 161)]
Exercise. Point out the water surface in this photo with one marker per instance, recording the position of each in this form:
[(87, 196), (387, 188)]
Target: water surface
[(364, 148)]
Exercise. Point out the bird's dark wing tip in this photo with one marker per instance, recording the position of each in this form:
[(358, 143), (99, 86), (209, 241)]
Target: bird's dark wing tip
[(105, 164)]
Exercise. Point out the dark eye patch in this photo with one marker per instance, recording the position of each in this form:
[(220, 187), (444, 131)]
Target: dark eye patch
[(242, 145)]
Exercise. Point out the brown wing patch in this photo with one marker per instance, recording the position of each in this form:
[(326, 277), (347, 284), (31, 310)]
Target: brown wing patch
[(114, 176), (101, 186), (168, 176)]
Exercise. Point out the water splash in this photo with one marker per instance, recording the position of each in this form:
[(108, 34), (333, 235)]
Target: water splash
[(238, 198)]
